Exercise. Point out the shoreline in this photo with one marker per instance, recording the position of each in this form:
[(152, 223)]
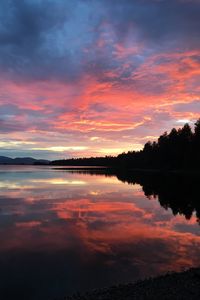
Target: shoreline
[(128, 170), (171, 286)]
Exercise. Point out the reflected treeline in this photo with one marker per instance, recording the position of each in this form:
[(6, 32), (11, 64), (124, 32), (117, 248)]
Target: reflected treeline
[(107, 172), (178, 150), (180, 192), (176, 191)]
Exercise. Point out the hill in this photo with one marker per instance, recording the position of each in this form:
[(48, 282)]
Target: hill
[(4, 160)]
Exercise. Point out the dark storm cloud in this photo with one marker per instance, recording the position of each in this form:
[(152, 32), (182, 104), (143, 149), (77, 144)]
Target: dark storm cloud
[(164, 20), (57, 39), (25, 37)]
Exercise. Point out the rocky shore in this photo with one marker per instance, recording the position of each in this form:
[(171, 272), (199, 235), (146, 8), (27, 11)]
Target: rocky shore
[(183, 286)]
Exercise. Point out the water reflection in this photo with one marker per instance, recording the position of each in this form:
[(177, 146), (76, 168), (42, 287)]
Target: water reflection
[(179, 192), (65, 231)]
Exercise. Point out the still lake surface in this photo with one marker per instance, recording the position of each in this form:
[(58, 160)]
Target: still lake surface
[(63, 231)]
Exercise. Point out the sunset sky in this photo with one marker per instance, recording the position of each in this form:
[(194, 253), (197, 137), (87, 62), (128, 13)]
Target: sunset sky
[(95, 77)]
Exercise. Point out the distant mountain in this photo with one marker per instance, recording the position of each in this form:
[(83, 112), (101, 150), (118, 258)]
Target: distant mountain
[(4, 160)]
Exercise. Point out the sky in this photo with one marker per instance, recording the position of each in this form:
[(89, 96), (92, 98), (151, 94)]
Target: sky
[(95, 77)]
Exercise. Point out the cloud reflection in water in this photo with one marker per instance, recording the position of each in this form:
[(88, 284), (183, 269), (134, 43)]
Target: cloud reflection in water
[(66, 231)]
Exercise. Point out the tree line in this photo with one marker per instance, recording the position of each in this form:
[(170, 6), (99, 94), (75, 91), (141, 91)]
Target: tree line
[(177, 150)]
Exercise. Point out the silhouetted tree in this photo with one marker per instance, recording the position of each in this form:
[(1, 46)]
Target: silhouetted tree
[(177, 150)]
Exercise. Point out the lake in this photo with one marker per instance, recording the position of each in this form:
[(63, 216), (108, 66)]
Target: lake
[(65, 231)]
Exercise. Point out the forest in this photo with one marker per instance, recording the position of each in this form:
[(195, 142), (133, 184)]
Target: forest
[(177, 150)]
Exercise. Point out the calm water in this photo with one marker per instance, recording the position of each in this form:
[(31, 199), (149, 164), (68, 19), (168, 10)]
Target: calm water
[(62, 232)]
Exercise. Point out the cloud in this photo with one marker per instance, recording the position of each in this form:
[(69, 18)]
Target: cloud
[(193, 106), (169, 21), (39, 40), (116, 70), (42, 40)]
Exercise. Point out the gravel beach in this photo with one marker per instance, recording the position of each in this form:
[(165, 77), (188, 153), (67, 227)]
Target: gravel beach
[(183, 285)]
